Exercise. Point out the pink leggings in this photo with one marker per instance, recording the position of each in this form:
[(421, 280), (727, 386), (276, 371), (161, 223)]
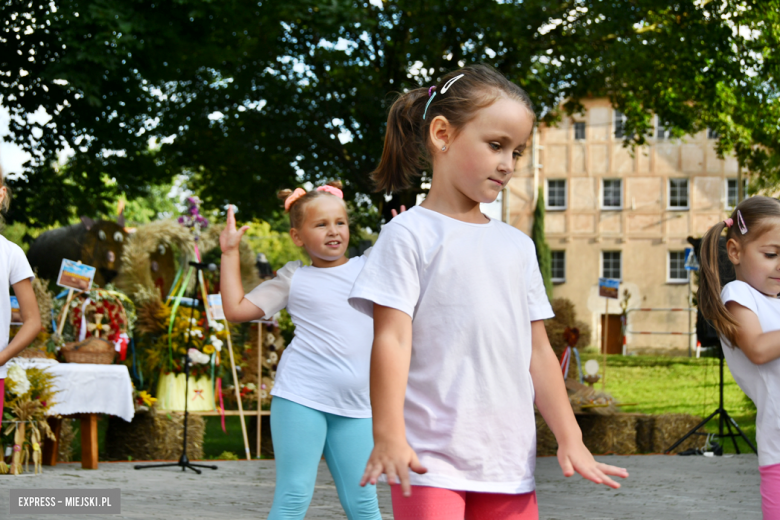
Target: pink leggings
[(770, 491), (430, 503)]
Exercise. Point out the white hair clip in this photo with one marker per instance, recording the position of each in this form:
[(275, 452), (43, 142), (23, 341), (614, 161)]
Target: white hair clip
[(741, 223), (432, 93)]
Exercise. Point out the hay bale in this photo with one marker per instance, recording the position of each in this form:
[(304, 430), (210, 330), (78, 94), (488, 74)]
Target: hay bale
[(545, 440), (669, 428), (154, 436), (644, 433), (609, 433), (65, 445)]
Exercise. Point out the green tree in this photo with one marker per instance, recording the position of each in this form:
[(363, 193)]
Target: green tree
[(543, 253), (252, 98)]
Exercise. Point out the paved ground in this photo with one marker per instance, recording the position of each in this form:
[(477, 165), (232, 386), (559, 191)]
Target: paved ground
[(660, 487)]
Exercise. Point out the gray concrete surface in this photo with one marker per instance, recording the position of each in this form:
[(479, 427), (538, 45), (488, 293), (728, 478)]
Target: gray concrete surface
[(660, 487)]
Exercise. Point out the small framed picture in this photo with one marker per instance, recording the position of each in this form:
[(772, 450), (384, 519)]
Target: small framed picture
[(16, 315), (215, 306), (74, 275)]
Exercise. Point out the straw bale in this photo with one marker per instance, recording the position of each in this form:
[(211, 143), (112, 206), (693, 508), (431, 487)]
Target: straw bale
[(609, 433), (65, 445), (669, 428), (154, 436), (545, 440)]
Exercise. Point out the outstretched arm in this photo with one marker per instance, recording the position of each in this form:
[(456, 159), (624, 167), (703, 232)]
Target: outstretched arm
[(390, 357), (31, 321), (236, 307), (759, 347), (553, 403)]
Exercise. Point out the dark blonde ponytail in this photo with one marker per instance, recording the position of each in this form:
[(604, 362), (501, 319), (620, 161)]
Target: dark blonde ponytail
[(710, 303), (407, 150)]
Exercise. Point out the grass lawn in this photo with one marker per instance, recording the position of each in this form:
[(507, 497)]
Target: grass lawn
[(661, 385), (657, 385)]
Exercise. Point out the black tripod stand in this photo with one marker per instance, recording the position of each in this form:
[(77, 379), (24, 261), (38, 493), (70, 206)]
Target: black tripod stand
[(184, 462), (723, 418)]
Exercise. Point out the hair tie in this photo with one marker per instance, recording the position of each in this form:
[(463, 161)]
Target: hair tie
[(430, 90), (729, 222), (741, 223), (295, 195), (332, 190)]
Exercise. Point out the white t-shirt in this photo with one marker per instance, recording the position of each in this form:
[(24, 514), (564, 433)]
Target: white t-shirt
[(326, 366), (472, 291), (760, 382), (14, 268)]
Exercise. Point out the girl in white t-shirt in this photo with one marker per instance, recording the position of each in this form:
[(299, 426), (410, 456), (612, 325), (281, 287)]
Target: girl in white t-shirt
[(460, 352), (17, 273), (746, 314), (321, 403)]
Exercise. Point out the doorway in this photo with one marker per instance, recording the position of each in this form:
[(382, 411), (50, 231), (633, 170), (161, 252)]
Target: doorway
[(614, 334)]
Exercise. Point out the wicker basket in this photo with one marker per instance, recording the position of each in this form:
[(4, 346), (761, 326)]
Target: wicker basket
[(91, 350), (32, 353)]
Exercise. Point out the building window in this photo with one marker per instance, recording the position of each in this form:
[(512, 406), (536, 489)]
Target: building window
[(620, 121), (677, 272), (731, 192), (579, 131), (712, 134), (612, 194), (661, 131), (610, 265), (556, 193), (678, 193), (559, 266)]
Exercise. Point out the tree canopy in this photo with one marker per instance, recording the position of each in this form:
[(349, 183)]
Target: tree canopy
[(246, 98)]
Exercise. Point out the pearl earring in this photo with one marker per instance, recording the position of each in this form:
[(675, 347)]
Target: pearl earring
[(444, 148)]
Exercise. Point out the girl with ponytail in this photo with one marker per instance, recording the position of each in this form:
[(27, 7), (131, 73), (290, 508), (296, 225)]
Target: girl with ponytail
[(746, 314), (321, 403), (460, 352)]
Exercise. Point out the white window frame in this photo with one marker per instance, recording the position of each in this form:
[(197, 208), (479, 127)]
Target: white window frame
[(547, 199), (618, 115), (669, 194), (601, 264), (584, 130), (661, 132), (604, 206), (726, 202), (553, 278), (669, 278)]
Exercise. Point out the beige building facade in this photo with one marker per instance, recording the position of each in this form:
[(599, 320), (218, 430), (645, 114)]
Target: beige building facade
[(619, 213)]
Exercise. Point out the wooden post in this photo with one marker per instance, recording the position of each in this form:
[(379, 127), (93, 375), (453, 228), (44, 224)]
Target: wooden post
[(606, 330), (260, 330), (238, 394), (51, 448), (89, 441), (65, 312)]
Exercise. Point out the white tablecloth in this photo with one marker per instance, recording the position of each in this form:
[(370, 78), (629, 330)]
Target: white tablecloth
[(87, 388)]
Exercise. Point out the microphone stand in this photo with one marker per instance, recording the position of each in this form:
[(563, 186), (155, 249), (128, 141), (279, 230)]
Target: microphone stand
[(184, 463)]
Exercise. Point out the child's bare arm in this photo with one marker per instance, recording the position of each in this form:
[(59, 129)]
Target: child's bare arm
[(759, 347), (31, 321), (236, 307), (553, 404), (390, 359)]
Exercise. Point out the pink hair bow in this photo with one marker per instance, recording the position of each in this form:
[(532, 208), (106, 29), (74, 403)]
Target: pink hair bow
[(295, 195), (729, 222), (332, 190)]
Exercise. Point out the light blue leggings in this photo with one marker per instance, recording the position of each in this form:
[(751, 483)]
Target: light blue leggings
[(301, 435)]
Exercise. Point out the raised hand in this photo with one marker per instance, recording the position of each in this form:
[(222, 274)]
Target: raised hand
[(230, 238), (578, 458), (395, 213), (394, 460)]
